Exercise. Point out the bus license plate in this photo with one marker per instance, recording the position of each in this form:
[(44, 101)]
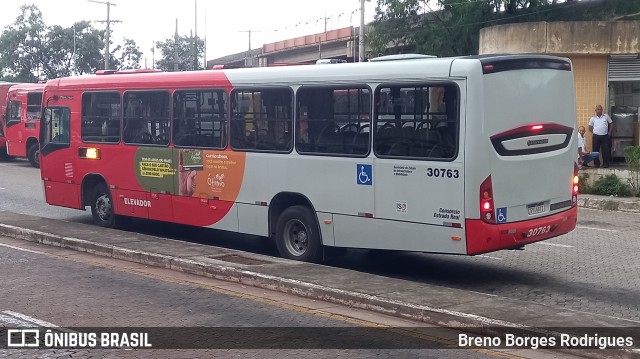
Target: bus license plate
[(535, 208)]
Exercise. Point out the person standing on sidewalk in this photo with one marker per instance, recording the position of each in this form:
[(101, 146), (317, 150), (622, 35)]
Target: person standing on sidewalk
[(601, 126), (584, 156)]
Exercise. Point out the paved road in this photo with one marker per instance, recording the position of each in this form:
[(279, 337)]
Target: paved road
[(72, 289), (593, 269)]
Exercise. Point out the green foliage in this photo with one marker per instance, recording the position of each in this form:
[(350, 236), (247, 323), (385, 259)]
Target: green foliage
[(31, 51), (632, 156), (130, 56), (189, 50), (584, 183), (610, 185), (452, 27)]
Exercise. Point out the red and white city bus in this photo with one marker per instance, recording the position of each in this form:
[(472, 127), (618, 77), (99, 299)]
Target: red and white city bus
[(446, 155), (4, 88), (22, 121)]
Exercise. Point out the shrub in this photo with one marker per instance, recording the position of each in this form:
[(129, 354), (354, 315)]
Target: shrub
[(610, 185), (584, 183), (632, 156)]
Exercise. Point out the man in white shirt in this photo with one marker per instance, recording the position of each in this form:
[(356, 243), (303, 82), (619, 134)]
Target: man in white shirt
[(601, 126), (584, 156)]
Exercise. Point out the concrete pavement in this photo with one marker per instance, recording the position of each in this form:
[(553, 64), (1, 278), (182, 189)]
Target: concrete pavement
[(477, 312), (622, 204)]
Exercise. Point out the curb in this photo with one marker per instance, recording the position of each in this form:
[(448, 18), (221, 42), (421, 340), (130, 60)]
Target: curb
[(605, 204), (422, 313)]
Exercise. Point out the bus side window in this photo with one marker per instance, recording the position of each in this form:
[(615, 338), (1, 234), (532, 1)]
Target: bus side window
[(416, 121), (146, 119), (100, 117), (200, 118), (262, 119), (333, 120)]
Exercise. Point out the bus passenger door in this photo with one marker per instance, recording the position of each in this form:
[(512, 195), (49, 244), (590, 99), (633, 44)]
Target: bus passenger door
[(58, 168)]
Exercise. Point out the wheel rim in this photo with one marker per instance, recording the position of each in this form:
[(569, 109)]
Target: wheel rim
[(296, 237), (103, 207), (36, 157)]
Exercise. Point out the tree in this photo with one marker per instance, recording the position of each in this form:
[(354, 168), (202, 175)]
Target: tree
[(72, 51), (129, 55), (31, 51), (189, 52), (88, 50), (20, 44), (452, 27)]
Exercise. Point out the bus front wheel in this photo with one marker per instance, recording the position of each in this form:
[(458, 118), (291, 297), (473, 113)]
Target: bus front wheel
[(102, 206), (33, 154), (297, 235)]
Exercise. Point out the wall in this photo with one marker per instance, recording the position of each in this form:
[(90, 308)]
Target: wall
[(590, 76), (563, 37)]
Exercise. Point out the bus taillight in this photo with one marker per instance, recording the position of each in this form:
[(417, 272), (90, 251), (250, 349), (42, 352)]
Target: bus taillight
[(575, 185), (486, 201)]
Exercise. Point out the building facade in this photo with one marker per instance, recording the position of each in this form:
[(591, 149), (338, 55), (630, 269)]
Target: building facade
[(339, 44)]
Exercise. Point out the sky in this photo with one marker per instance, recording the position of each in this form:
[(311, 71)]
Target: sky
[(224, 24)]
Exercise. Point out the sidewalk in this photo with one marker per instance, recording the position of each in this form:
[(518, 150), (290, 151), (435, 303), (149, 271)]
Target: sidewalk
[(476, 312), (622, 204)]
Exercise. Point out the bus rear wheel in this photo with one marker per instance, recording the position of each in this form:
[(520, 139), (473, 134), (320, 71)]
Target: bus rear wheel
[(102, 207), (297, 235), (33, 154)]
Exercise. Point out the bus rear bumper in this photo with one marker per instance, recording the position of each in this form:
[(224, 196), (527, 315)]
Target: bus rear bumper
[(484, 237)]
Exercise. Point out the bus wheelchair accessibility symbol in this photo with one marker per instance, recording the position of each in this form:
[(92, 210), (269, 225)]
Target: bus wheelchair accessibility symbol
[(501, 216), (364, 174)]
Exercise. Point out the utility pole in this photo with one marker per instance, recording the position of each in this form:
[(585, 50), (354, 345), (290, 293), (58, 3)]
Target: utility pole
[(175, 49), (153, 56), (205, 40), (195, 40), (108, 33), (249, 52), (361, 34)]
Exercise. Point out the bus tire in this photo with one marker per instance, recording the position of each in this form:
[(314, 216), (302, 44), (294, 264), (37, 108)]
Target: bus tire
[(33, 154), (102, 206), (297, 235)]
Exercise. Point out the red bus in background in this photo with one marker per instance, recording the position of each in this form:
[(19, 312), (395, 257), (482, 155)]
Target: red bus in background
[(22, 121), (4, 88)]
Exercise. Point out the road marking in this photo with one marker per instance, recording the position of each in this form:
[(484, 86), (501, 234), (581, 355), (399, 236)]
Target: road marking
[(29, 320), (598, 229), (556, 245), (490, 257), (20, 249), (2, 188)]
